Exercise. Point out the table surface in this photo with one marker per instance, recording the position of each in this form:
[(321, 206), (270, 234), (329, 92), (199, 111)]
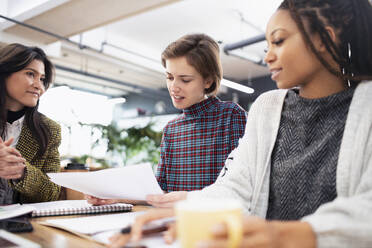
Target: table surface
[(52, 237)]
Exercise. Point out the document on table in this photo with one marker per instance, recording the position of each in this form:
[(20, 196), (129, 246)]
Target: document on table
[(101, 228), (153, 241), (130, 182), (93, 224)]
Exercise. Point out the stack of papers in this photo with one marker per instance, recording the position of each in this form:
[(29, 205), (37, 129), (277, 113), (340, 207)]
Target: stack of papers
[(153, 241), (101, 228)]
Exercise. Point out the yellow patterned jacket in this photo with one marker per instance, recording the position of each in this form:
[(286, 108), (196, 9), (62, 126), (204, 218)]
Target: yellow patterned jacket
[(36, 186)]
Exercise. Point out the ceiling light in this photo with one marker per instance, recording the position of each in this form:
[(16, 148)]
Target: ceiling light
[(237, 86), (117, 100)]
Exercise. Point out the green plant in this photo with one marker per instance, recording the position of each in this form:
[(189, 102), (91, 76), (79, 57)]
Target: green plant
[(129, 143), (83, 160)]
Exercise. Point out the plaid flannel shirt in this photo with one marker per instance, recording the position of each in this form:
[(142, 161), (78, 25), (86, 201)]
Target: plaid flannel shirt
[(195, 145)]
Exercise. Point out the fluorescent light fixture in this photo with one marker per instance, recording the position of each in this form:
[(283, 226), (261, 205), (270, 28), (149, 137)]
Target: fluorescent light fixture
[(117, 100), (237, 86)]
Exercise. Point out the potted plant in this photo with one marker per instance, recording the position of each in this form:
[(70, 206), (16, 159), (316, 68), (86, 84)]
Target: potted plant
[(133, 145)]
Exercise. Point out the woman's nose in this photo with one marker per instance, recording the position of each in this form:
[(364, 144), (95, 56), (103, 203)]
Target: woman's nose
[(39, 84), (175, 86), (269, 57)]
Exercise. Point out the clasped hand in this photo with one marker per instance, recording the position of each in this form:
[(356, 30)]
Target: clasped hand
[(12, 164)]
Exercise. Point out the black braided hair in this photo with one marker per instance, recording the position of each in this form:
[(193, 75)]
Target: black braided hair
[(352, 22)]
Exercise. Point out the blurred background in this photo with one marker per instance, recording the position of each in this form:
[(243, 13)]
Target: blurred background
[(109, 93)]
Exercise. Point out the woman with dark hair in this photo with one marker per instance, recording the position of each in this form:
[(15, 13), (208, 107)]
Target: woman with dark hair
[(304, 164), (29, 140)]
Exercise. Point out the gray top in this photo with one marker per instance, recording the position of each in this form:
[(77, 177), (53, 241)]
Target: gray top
[(304, 159), (344, 222)]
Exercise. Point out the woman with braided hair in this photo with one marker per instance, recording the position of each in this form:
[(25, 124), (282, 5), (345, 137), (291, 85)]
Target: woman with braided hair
[(304, 166), (29, 141)]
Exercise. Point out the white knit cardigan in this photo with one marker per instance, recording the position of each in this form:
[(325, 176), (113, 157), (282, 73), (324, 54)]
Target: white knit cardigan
[(344, 222)]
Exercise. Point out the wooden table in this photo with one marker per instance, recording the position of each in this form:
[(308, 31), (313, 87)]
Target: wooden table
[(56, 238)]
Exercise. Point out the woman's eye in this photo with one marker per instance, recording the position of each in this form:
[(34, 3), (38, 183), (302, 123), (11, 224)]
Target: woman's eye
[(277, 42), (169, 78), (30, 73), (186, 81)]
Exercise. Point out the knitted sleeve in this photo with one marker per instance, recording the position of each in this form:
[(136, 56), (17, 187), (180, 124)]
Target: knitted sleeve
[(346, 221)]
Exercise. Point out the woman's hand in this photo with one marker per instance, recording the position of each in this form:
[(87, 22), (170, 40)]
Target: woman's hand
[(120, 240), (167, 200), (98, 201), (12, 164), (265, 234)]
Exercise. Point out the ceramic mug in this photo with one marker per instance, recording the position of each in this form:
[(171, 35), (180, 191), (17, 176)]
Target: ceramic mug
[(195, 219)]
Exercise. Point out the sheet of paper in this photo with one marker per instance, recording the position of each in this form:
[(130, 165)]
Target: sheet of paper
[(130, 182), (101, 228), (153, 241), (93, 224), (14, 210)]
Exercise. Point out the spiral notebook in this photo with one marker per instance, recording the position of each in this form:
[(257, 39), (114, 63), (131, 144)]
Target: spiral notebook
[(75, 207)]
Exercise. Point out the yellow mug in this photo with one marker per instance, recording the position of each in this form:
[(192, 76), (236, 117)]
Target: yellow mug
[(195, 219)]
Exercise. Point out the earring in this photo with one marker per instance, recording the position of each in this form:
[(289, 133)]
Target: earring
[(349, 58)]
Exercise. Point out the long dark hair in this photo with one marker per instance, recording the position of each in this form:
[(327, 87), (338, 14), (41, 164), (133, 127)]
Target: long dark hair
[(13, 58), (352, 22)]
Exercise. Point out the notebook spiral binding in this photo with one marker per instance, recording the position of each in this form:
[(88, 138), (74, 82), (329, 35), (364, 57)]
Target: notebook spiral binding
[(84, 210)]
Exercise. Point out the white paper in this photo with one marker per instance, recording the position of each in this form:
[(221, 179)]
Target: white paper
[(130, 182), (14, 210), (94, 224), (153, 241), (101, 228)]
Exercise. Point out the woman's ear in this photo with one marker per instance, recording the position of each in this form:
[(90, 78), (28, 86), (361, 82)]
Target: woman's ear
[(208, 83), (320, 46), (331, 33)]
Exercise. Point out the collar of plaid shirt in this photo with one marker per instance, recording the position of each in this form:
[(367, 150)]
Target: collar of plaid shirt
[(200, 108)]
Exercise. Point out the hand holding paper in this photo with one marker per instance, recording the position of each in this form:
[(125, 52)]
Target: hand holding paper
[(131, 182)]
